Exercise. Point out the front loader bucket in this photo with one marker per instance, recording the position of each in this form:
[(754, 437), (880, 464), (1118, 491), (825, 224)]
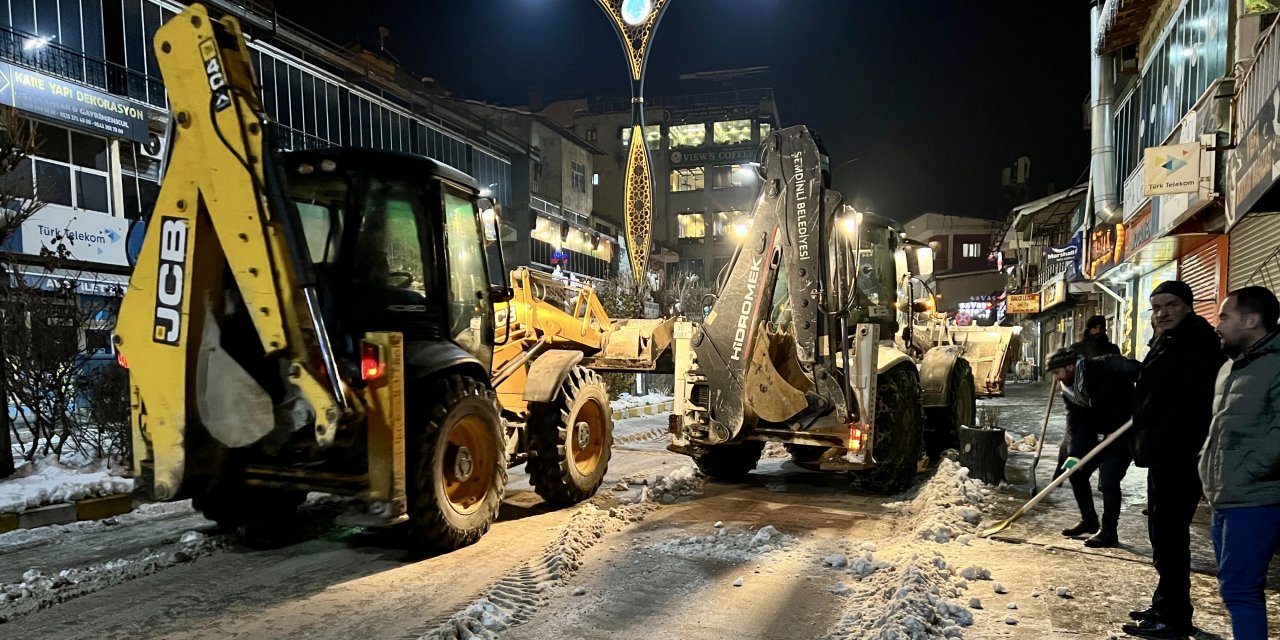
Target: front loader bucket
[(775, 384)]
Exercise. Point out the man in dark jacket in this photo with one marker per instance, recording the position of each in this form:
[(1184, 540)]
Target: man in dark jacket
[(1240, 464), (1095, 341), (1098, 393), (1092, 344), (1172, 410)]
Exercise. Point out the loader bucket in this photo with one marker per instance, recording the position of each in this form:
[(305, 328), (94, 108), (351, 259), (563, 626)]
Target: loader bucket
[(233, 407), (775, 384)]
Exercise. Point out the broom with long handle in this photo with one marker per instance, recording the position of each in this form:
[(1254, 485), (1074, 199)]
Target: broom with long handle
[(1004, 524)]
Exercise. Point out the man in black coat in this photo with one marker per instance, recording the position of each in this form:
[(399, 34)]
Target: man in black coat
[(1172, 412), (1098, 393), (1092, 344)]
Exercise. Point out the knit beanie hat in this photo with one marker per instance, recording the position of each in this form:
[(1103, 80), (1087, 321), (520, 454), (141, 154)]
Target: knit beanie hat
[(1096, 321), (1175, 288)]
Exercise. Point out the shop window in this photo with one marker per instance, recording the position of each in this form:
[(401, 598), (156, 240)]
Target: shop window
[(693, 227), (730, 176), (578, 176), (692, 179), (652, 135), (687, 135), (732, 132), (69, 169)]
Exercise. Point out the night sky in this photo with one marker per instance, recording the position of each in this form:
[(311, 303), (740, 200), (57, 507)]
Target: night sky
[(934, 97)]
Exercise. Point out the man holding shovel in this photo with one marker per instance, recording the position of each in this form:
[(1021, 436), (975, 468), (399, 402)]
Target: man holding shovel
[(1098, 393)]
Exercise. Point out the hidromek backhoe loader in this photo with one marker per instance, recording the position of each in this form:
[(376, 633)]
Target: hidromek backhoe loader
[(792, 350), (324, 321)]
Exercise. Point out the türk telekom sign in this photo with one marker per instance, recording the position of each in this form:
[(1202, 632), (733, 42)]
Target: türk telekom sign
[(72, 104)]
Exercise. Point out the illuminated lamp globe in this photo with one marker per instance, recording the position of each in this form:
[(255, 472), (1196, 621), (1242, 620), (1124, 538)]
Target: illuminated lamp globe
[(636, 12)]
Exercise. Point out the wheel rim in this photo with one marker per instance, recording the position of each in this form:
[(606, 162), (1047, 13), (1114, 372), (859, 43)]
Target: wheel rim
[(586, 437), (470, 458)]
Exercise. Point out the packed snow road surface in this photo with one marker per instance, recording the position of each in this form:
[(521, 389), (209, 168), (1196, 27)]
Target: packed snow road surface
[(657, 553)]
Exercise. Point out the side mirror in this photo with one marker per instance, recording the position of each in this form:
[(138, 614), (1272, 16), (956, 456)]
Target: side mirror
[(924, 256), (499, 293)]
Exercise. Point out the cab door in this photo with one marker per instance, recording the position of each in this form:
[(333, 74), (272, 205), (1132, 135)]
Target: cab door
[(470, 322)]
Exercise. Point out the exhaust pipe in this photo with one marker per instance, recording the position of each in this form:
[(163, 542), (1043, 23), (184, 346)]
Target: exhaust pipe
[(1102, 155)]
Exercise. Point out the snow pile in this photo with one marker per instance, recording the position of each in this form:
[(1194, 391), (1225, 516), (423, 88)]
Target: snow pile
[(648, 435), (626, 400), (1020, 443), (37, 590), (48, 481), (948, 506), (516, 597), (667, 488), (145, 512), (911, 597), (728, 545), (775, 450)]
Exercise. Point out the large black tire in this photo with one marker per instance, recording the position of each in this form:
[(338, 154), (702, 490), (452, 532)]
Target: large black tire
[(730, 462), (571, 440), (899, 432), (942, 424), (457, 466)]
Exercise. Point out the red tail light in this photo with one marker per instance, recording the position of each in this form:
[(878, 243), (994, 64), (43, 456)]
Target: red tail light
[(121, 359), (371, 365), (855, 436)]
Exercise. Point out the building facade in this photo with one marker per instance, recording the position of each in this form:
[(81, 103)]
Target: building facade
[(966, 269), (85, 71), (703, 147), (550, 217)]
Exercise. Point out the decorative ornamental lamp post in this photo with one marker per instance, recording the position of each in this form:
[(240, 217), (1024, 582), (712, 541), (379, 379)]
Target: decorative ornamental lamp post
[(635, 21)]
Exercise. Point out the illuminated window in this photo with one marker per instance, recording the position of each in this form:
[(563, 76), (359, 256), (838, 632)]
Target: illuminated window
[(732, 175), (693, 227), (687, 135), (732, 132), (971, 250), (691, 179), (765, 128), (652, 133), (731, 225)]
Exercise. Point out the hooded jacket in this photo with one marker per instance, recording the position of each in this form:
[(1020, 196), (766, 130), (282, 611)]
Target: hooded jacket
[(1240, 464), (1174, 395), (1095, 346)]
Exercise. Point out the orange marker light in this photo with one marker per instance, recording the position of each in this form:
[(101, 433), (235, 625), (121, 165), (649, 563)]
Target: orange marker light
[(371, 366)]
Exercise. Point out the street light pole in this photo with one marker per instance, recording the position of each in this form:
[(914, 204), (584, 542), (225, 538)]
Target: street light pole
[(635, 22)]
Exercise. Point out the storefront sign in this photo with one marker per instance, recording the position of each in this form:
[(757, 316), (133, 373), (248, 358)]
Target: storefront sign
[(1106, 247), (72, 104), (85, 283), (1068, 254), (1024, 303), (88, 237), (1172, 169), (1252, 167), (1055, 292), (740, 154), (1139, 230), (1133, 198)]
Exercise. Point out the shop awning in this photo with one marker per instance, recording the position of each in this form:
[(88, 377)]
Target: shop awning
[(1051, 214)]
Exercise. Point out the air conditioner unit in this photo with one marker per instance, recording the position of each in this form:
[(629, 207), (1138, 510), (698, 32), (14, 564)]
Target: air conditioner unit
[(154, 147)]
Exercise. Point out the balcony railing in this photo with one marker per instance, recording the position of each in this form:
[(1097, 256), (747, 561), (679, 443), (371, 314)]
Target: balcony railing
[(68, 64)]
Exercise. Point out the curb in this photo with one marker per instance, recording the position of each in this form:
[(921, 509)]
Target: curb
[(67, 512), (644, 410)]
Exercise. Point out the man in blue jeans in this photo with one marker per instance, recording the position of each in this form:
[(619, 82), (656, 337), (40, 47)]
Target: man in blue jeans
[(1240, 463)]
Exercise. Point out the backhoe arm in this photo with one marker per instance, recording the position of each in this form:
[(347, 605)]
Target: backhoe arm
[(220, 211)]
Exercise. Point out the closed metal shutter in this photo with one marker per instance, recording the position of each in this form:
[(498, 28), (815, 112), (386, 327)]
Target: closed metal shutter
[(1201, 269), (1254, 256)]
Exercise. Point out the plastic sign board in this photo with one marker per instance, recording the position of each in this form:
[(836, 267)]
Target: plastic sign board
[(73, 105), (1170, 170), (1024, 303)]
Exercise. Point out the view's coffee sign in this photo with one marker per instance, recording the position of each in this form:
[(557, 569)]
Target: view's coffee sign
[(1172, 169), (740, 154), (72, 104)]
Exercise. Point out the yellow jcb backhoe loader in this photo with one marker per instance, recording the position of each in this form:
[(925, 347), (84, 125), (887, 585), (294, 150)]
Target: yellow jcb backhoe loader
[(322, 321)]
